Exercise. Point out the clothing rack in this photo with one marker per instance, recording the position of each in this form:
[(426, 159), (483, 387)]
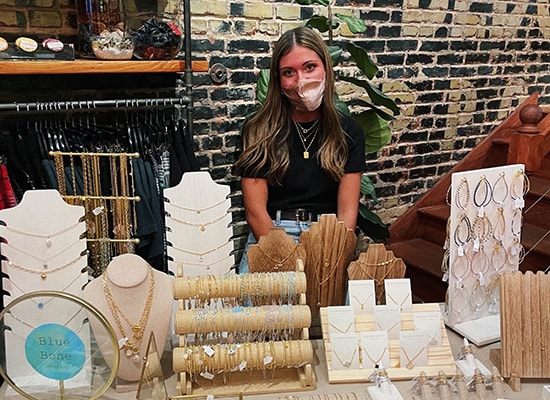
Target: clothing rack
[(87, 105)]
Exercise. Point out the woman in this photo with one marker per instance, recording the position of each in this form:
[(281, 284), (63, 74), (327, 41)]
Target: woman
[(300, 158)]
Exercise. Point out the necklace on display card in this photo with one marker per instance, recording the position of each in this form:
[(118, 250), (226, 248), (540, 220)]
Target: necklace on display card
[(398, 292), (388, 318), (341, 319), (362, 296)]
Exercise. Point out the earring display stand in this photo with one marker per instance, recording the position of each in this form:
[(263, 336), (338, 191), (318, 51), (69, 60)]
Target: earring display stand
[(525, 323), (198, 226), (249, 333), (440, 357), (483, 241), (377, 264)]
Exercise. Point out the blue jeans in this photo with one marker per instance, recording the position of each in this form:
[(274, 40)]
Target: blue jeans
[(293, 228)]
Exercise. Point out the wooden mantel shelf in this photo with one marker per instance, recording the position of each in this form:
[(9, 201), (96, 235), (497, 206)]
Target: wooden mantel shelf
[(38, 67)]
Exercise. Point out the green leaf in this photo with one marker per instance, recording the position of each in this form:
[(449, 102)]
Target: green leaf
[(321, 23), (381, 113), (340, 105), (310, 2), (377, 131), (367, 187), (376, 96), (355, 25), (263, 84), (335, 53), (362, 59), (372, 225)]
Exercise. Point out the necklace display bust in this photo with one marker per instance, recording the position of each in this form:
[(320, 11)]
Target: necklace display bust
[(137, 300)]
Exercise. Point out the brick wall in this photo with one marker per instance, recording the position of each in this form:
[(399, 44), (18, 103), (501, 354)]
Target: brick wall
[(457, 68)]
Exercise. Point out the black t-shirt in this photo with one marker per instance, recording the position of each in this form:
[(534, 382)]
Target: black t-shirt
[(306, 185)]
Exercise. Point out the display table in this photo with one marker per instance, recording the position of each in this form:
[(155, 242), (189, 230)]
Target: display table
[(531, 388)]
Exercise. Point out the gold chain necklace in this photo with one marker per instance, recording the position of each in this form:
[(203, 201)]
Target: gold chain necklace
[(198, 254), (343, 330), (132, 346), (379, 283), (281, 262), (46, 263), (201, 226), (345, 363), (410, 361), (322, 280), (198, 210), (362, 303), (46, 236), (302, 132), (376, 362), (45, 272)]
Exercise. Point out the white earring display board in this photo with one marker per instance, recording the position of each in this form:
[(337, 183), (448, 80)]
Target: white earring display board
[(44, 250), (198, 226), (483, 241)]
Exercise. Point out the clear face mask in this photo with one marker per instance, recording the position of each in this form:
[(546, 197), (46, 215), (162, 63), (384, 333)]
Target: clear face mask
[(307, 95)]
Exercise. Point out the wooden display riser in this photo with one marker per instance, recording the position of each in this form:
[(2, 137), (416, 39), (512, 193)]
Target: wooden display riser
[(440, 358), (278, 380)]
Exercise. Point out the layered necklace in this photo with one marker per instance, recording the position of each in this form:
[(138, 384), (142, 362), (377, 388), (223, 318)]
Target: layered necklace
[(132, 347), (307, 135)]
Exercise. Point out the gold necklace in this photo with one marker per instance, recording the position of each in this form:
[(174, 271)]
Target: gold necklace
[(390, 328), (395, 301), (326, 264), (198, 210), (346, 363), (45, 272), (132, 346), (198, 254), (362, 304), (278, 263), (45, 263), (376, 362), (201, 226), (342, 330), (410, 363), (378, 283), (46, 236)]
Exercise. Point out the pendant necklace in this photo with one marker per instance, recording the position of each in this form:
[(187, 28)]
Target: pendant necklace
[(132, 347), (305, 134)]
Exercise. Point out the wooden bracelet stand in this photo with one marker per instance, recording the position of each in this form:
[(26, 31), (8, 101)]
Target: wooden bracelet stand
[(330, 248), (377, 264), (440, 358), (252, 367), (524, 327)]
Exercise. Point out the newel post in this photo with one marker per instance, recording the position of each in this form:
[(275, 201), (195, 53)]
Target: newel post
[(526, 144)]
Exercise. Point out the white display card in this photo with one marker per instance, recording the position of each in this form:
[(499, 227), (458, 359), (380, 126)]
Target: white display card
[(375, 349), (388, 318), (414, 349), (344, 349), (398, 292), (362, 296), (429, 322), (341, 319)]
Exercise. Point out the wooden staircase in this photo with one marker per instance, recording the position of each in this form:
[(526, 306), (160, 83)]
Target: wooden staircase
[(418, 235)]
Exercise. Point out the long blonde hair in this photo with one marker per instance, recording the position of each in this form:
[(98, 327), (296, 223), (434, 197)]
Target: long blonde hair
[(265, 134)]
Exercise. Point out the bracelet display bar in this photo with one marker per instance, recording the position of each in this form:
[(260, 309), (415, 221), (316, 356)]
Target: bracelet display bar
[(440, 358), (265, 362)]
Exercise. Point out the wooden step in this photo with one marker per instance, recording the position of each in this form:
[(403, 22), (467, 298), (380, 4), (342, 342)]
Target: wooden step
[(433, 223), (423, 260)]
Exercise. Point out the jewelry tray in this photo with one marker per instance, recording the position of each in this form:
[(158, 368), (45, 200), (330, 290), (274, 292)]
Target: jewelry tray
[(440, 358)]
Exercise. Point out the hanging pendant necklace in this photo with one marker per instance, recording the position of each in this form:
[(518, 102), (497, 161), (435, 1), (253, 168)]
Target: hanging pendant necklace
[(132, 347), (305, 134)]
